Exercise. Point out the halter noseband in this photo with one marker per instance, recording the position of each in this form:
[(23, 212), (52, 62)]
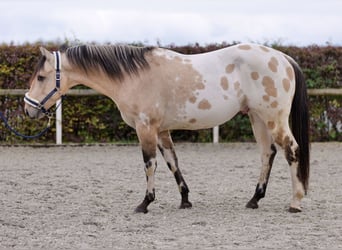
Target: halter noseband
[(40, 105)]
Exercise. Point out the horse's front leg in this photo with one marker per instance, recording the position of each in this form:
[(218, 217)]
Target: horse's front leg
[(148, 140), (166, 148)]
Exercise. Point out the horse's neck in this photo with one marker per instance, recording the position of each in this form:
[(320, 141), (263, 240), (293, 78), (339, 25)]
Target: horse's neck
[(95, 81)]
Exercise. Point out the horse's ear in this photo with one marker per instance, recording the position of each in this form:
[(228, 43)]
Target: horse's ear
[(44, 52), (47, 54)]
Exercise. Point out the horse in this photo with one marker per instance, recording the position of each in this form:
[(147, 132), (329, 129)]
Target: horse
[(158, 90)]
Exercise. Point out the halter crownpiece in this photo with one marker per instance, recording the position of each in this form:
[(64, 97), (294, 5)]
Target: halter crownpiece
[(58, 65), (40, 104)]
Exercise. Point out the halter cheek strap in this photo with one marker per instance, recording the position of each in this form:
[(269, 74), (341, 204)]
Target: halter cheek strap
[(40, 105)]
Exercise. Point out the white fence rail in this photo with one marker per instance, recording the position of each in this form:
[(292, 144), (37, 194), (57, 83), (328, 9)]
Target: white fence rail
[(90, 92)]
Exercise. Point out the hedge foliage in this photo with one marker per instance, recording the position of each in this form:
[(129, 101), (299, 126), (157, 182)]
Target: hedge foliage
[(322, 67)]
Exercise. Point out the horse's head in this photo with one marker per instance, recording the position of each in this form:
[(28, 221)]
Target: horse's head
[(46, 85)]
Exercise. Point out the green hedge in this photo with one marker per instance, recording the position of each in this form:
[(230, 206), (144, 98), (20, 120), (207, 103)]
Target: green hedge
[(322, 67)]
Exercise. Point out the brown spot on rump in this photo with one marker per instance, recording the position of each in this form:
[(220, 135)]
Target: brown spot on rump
[(255, 76), (274, 104), (237, 88), (290, 73), (230, 68), (265, 49), (225, 97), (193, 120), (224, 83), (271, 125), (269, 86), (286, 84), (266, 98), (245, 47), (192, 99), (273, 64), (204, 104)]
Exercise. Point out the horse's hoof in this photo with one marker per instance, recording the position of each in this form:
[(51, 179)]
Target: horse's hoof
[(186, 204), (141, 209), (295, 210), (252, 204)]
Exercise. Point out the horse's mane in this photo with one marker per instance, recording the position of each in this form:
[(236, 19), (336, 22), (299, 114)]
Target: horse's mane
[(114, 60)]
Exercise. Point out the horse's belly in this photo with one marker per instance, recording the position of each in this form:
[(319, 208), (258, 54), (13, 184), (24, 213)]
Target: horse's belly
[(204, 114)]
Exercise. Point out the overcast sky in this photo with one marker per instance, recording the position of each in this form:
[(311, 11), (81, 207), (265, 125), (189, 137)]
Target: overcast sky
[(294, 22)]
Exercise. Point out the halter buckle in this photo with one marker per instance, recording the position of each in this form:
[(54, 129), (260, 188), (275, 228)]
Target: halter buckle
[(58, 75)]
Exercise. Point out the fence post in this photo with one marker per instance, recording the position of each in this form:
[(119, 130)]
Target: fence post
[(216, 134), (59, 122)]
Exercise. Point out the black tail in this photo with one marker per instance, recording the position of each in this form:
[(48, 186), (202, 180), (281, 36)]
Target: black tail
[(300, 124)]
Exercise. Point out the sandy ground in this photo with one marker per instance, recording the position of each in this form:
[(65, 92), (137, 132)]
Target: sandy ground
[(84, 197)]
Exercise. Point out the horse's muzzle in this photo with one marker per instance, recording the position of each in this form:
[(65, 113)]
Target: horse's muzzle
[(33, 112)]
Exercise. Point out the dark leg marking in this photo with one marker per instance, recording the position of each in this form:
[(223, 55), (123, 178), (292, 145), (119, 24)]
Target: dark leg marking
[(274, 151), (142, 208), (184, 190), (149, 197), (294, 210), (259, 193), (293, 157), (183, 187), (166, 148), (290, 157), (161, 149)]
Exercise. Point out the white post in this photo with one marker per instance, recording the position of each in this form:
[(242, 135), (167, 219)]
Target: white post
[(59, 122), (216, 134)]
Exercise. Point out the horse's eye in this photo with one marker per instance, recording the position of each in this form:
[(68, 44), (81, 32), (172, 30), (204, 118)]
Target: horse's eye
[(40, 78)]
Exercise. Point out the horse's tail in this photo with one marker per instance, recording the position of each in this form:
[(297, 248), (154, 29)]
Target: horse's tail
[(300, 124)]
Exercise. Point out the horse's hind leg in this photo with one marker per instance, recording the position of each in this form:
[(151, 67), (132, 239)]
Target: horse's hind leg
[(166, 148), (286, 140), (268, 152)]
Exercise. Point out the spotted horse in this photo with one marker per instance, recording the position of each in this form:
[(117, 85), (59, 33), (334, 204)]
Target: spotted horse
[(158, 90)]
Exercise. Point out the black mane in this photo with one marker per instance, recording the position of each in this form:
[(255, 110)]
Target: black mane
[(114, 60)]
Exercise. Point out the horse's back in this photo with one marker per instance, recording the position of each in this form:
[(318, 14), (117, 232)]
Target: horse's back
[(205, 90)]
